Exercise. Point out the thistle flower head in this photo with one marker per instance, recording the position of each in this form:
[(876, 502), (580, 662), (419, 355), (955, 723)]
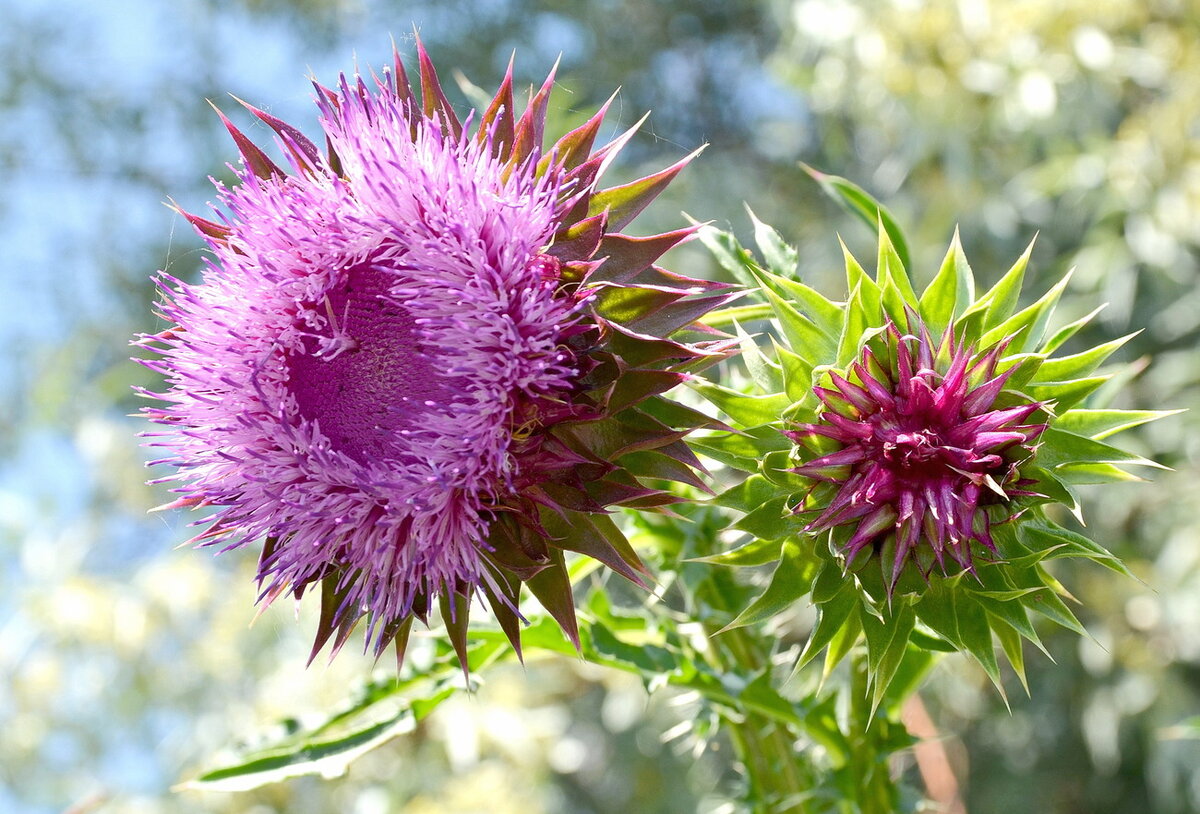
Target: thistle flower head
[(926, 446), (422, 363), (905, 451)]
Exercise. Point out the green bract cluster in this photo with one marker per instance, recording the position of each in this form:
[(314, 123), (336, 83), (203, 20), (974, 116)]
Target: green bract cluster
[(909, 454)]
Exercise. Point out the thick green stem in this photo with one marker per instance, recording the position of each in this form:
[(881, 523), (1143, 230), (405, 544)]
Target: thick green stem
[(774, 770), (873, 787)]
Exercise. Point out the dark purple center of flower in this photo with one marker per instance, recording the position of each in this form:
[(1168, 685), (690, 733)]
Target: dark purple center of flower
[(368, 377), (910, 450)]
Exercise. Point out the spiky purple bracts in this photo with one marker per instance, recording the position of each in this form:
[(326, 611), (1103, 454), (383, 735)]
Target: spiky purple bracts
[(924, 449), (421, 365)]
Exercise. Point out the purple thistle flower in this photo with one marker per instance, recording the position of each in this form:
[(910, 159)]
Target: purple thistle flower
[(927, 440), (404, 368)]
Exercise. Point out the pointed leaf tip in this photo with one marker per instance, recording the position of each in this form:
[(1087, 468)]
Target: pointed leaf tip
[(256, 160)]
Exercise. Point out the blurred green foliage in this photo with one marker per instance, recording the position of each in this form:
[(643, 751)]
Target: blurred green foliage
[(129, 664)]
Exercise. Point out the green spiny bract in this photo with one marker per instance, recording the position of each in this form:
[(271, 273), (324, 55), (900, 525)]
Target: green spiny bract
[(904, 451)]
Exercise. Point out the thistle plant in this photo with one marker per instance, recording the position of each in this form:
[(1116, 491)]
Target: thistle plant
[(913, 459), (425, 367), (422, 364)]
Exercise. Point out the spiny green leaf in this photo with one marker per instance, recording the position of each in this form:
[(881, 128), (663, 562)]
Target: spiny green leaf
[(844, 639), (1062, 396), (748, 495), (1080, 364), (755, 552), (938, 608), (1062, 447), (804, 337), (824, 313), (772, 520), (976, 637), (1048, 604), (1010, 640), (1048, 534), (856, 200), (328, 757), (623, 203), (765, 373), (1095, 473), (743, 451), (832, 616), (950, 291), (891, 268), (790, 581), (797, 378), (781, 258), (746, 409), (862, 314), (914, 666), (1100, 424), (997, 305), (1028, 326), (831, 580), (1066, 332), (649, 660), (730, 255), (886, 642), (1054, 488)]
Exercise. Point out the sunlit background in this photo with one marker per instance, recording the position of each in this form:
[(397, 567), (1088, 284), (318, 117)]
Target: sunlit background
[(128, 665)]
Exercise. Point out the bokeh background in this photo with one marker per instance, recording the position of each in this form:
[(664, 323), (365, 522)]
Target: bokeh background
[(127, 665)]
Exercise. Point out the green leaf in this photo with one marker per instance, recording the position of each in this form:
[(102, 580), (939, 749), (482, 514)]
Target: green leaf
[(649, 660), (857, 201), (1010, 640), (1095, 473), (770, 521), (950, 291), (1100, 424), (790, 581), (755, 552), (1060, 447), (831, 580), (914, 666), (1070, 543), (1000, 301), (781, 258), (844, 639), (730, 255), (1050, 485), (1048, 604), (760, 696), (804, 337), (797, 377), (976, 636), (744, 450), (1080, 364), (328, 757), (893, 270), (824, 313), (937, 609), (887, 640), (862, 314), (832, 616), (1066, 332), (746, 409), (1027, 327), (747, 495), (1065, 395), (765, 373)]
